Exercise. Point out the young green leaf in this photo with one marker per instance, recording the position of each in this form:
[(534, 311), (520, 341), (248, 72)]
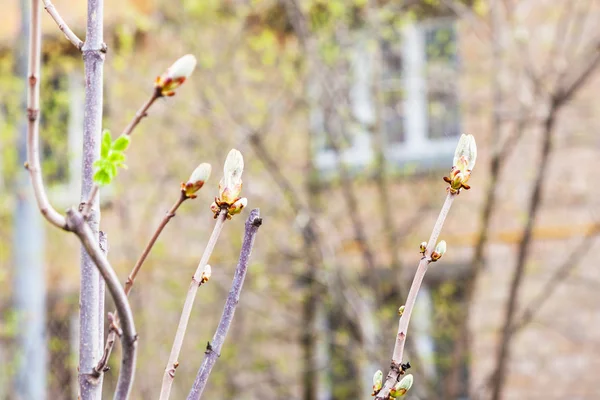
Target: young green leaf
[(101, 177), (121, 143), (106, 144), (111, 169), (116, 157)]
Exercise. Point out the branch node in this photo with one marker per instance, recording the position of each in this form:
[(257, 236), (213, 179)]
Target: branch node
[(103, 242), (257, 222), (113, 324), (209, 349), (93, 377), (172, 370), (404, 367), (32, 113)]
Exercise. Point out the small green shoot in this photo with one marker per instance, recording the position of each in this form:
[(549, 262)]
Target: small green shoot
[(112, 156)]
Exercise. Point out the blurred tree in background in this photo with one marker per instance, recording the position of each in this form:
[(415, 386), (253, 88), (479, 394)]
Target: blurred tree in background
[(347, 113)]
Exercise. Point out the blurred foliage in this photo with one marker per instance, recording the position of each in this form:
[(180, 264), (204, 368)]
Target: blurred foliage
[(54, 100), (253, 77), (11, 114)]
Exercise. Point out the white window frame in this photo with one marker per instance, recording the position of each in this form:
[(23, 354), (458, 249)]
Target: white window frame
[(360, 153), (417, 147)]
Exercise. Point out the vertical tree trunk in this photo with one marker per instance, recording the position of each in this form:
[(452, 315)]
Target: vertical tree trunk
[(523, 252), (91, 301), (463, 344), (28, 249)]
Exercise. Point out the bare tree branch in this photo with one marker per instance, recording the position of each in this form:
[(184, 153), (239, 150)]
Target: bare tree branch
[(530, 311), (141, 113), (62, 25), (213, 349), (578, 253), (90, 240), (499, 154), (396, 369), (561, 33), (33, 110), (533, 208), (585, 16), (111, 338), (173, 362), (563, 93), (77, 224), (272, 167), (86, 206), (572, 84)]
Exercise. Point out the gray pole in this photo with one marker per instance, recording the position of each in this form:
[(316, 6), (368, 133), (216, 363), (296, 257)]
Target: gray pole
[(29, 290)]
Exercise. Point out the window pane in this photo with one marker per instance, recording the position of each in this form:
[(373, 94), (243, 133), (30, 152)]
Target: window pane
[(392, 91), (442, 76), (393, 116), (440, 43), (442, 114), (392, 59)]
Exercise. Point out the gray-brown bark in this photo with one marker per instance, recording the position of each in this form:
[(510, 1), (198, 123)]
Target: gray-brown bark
[(92, 305), (213, 349)]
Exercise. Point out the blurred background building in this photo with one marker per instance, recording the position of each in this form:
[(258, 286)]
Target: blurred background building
[(347, 113)]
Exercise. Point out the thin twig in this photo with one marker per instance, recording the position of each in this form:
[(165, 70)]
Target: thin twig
[(111, 338), (578, 253), (173, 362), (571, 261), (561, 30), (33, 125), (274, 169), (86, 206), (62, 25), (78, 225), (396, 366), (572, 84), (141, 113), (213, 349), (138, 265), (103, 243)]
